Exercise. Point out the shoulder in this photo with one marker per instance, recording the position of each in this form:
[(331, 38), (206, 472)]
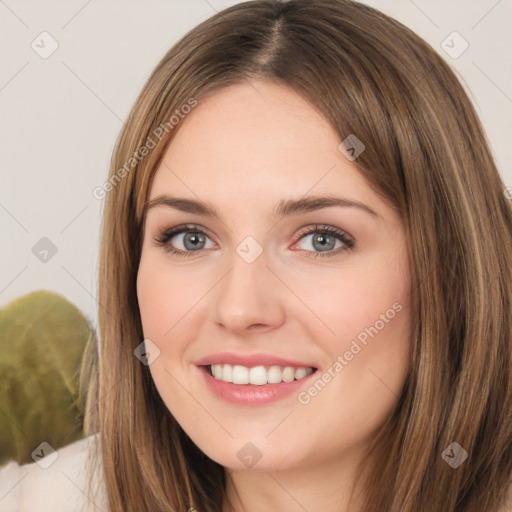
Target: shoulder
[(59, 480)]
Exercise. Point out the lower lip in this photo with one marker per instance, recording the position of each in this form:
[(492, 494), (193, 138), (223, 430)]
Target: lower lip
[(250, 394)]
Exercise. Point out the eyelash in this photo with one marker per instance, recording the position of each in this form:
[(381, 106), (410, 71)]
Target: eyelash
[(163, 239)]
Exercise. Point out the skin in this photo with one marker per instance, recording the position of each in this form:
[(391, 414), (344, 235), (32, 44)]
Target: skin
[(242, 150)]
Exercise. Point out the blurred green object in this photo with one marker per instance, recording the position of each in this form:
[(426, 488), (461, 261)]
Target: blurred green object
[(42, 339)]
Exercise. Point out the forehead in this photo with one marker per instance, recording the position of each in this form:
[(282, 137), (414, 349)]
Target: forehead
[(258, 142)]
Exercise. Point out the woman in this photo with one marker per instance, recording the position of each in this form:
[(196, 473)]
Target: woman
[(305, 279)]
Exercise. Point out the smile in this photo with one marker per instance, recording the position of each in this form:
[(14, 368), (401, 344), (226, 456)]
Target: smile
[(258, 375)]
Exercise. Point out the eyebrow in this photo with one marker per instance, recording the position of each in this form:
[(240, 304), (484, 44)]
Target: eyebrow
[(285, 207)]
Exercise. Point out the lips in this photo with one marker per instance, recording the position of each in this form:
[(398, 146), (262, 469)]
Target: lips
[(253, 379), (252, 360)]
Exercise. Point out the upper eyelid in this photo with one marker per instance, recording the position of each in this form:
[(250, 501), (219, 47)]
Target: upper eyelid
[(183, 228)]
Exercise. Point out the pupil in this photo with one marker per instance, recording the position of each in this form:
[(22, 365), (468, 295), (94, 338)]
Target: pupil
[(325, 241), (192, 240)]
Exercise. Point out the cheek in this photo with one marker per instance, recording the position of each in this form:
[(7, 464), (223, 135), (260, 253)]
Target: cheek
[(364, 301), (367, 311), (366, 308), (165, 296)]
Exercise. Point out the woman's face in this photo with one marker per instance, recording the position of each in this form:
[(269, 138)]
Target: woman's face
[(307, 300)]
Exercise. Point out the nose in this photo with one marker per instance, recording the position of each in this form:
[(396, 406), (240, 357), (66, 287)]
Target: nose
[(249, 298)]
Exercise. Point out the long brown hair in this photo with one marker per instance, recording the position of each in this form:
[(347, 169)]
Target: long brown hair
[(426, 153)]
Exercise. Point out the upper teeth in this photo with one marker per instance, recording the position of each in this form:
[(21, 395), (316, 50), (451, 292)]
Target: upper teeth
[(258, 375)]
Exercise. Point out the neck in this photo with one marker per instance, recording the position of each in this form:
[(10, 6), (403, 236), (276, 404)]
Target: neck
[(331, 485)]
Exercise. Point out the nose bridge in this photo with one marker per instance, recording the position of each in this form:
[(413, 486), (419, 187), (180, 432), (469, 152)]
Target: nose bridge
[(249, 294)]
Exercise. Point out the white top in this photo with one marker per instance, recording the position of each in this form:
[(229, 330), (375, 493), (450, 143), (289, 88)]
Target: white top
[(57, 482)]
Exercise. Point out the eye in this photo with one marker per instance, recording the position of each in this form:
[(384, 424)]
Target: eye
[(321, 241), (327, 240), (189, 239)]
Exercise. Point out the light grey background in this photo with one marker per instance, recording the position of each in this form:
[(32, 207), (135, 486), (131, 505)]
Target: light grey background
[(61, 115)]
